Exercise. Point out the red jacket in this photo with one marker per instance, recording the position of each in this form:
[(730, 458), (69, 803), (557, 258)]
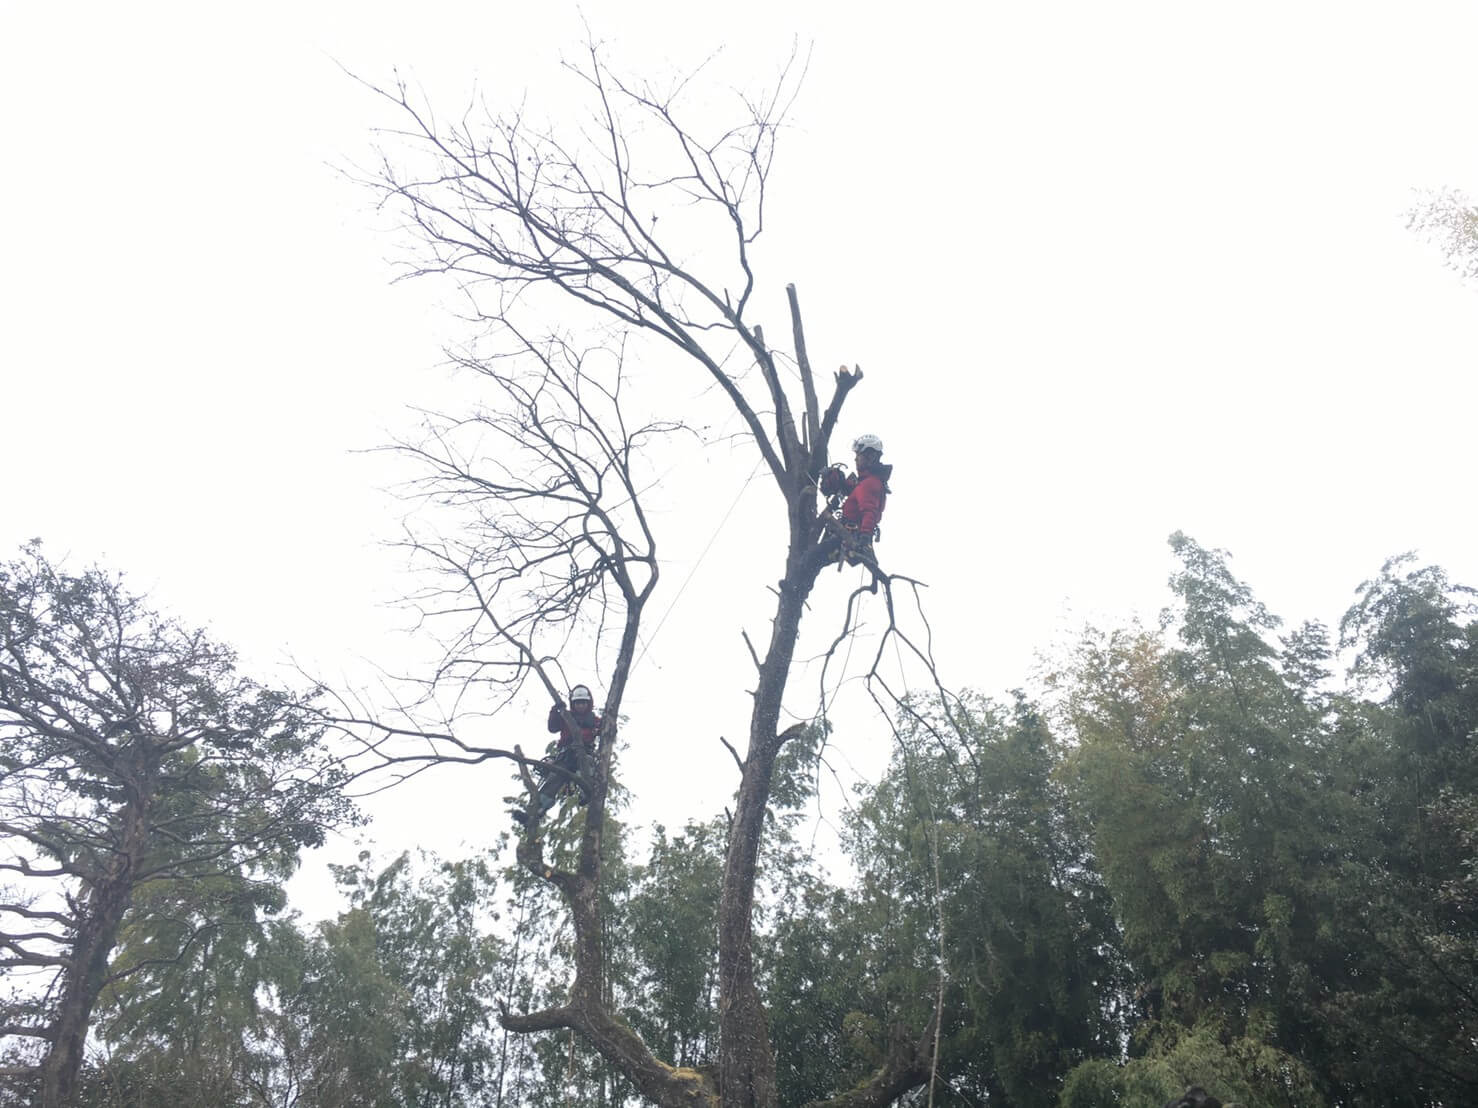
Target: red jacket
[(588, 727), (864, 506)]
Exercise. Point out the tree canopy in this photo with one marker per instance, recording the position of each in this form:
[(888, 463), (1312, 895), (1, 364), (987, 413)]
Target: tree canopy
[(1193, 857)]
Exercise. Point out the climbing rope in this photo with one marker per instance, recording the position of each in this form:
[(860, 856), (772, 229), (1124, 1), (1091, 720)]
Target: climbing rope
[(733, 503)]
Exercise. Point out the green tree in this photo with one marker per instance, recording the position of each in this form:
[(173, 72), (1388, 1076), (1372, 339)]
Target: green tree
[(203, 1029), (395, 1005), (1406, 1009), (1205, 773), (975, 880), (138, 771), (1240, 1071), (352, 1016), (671, 922)]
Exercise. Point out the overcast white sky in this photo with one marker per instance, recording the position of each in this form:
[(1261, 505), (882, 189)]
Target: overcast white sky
[(1112, 270)]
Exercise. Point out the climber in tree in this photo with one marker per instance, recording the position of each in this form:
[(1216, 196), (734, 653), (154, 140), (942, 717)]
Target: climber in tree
[(578, 729), (850, 535)]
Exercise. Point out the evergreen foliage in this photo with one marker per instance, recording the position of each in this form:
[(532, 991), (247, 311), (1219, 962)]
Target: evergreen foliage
[(152, 801), (1193, 859)]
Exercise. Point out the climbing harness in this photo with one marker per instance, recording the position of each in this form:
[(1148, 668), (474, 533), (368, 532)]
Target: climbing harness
[(853, 547)]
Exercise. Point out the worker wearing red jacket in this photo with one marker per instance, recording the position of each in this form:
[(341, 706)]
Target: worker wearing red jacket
[(850, 535), (578, 730), (863, 507)]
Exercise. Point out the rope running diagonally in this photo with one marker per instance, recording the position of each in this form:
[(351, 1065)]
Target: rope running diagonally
[(734, 503)]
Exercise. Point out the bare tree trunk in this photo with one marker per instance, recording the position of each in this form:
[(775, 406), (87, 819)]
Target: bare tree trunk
[(746, 1057)]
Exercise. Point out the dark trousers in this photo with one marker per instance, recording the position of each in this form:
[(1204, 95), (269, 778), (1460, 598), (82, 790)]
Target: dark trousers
[(837, 543), (551, 785)]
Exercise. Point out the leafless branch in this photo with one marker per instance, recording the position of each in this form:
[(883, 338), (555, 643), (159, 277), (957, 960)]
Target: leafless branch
[(738, 761), (754, 657), (541, 551), (30, 913), (24, 1031)]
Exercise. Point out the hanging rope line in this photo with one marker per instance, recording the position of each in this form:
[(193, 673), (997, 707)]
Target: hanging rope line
[(733, 503), (938, 904), (921, 785)]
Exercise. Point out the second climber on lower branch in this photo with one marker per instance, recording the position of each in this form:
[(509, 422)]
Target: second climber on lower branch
[(850, 534), (574, 751)]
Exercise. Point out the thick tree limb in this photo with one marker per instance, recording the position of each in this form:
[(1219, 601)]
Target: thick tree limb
[(846, 381), (907, 1066), (547, 1019), (24, 1031), (803, 360), (35, 960)]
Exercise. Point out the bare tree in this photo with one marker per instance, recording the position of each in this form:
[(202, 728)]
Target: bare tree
[(132, 758), (548, 478)]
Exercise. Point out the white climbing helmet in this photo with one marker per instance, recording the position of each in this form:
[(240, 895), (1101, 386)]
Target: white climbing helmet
[(581, 692), (867, 442)]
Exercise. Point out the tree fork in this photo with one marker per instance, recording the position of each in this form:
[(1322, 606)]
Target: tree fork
[(486, 213)]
